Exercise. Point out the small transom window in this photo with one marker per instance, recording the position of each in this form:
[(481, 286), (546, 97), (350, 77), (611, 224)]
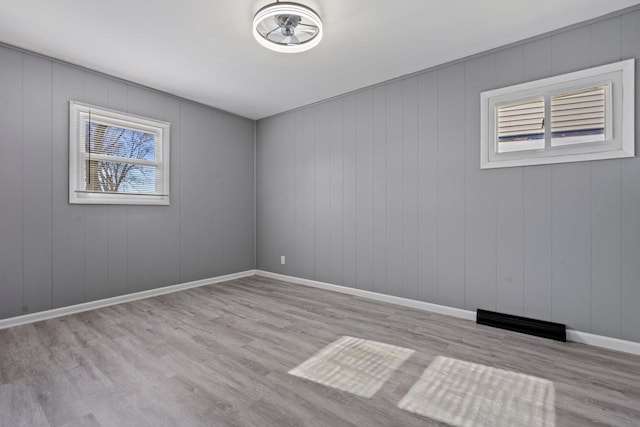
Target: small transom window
[(586, 115)]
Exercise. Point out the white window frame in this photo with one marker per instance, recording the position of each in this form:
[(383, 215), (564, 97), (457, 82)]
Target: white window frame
[(619, 128), (78, 112)]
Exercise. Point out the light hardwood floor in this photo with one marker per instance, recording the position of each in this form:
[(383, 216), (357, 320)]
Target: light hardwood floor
[(219, 356)]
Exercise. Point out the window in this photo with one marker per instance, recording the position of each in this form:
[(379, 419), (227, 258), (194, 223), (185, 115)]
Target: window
[(117, 158), (585, 115)]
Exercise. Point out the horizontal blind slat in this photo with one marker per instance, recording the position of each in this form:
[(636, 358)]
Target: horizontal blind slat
[(570, 107), (584, 92), (538, 103), (531, 112), (580, 120), (570, 112), (517, 129)]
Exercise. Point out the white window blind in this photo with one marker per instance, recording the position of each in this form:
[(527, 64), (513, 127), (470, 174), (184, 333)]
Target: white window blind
[(117, 158), (521, 125), (578, 116)]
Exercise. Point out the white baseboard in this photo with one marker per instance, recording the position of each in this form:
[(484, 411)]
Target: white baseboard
[(603, 341), (91, 305), (406, 302), (572, 335)]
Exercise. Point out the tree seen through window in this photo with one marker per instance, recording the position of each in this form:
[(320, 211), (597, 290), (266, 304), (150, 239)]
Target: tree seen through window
[(115, 174)]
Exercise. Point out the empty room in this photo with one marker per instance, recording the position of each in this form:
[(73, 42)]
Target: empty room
[(319, 213)]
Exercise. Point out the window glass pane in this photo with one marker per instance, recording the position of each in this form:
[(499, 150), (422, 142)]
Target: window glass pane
[(521, 125), (116, 177), (578, 116), (121, 142)]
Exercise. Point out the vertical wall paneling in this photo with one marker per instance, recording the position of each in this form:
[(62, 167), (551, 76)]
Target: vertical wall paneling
[(11, 182), (510, 236), (211, 241), (171, 214), (606, 250), (298, 154), (139, 250), (159, 225), (191, 171), (364, 190), (247, 133), (96, 233), (410, 188), (222, 199), (480, 190), (308, 196), (536, 249), (451, 186), (36, 182), (509, 207), (266, 204), (606, 204), (270, 243), (209, 165), (336, 190), (305, 194), (630, 194), (238, 209), (428, 186), (537, 242), (571, 239), (379, 189), (323, 194), (606, 42), (571, 204), (68, 280), (289, 196), (349, 195), (118, 262), (218, 222), (394, 168)]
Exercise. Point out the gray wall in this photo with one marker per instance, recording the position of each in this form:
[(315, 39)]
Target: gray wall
[(53, 254), (382, 190)]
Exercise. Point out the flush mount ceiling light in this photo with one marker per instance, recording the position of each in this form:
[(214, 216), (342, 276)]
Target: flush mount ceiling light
[(287, 27)]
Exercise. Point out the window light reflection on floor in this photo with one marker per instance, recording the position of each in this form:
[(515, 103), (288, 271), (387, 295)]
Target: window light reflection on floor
[(465, 394), (354, 365)]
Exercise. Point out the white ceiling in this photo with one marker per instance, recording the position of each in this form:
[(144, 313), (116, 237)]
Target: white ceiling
[(204, 50)]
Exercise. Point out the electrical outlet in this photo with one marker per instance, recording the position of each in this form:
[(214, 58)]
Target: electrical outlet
[(282, 259)]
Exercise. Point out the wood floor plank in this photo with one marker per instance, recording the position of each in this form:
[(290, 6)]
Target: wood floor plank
[(19, 406), (219, 355)]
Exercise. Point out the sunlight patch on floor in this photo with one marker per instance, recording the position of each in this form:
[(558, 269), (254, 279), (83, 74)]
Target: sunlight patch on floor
[(465, 394), (354, 365)]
